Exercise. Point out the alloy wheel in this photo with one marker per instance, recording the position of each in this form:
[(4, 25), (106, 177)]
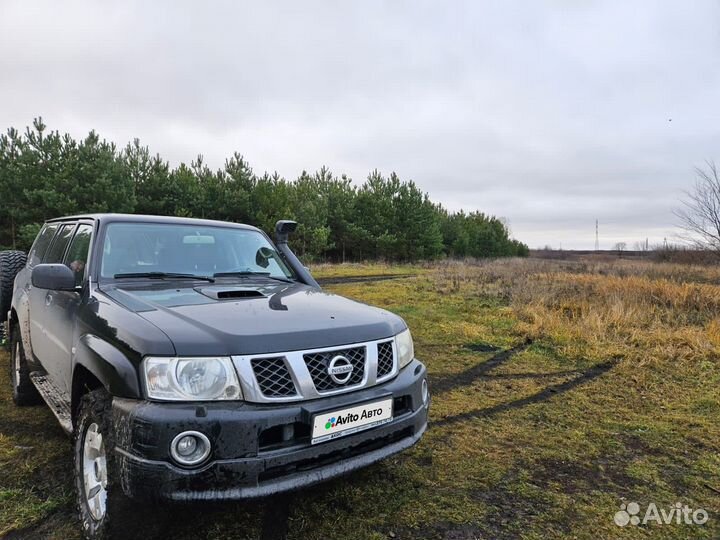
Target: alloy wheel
[(95, 472)]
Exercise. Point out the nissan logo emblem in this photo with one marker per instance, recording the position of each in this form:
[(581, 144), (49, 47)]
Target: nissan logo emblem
[(340, 369)]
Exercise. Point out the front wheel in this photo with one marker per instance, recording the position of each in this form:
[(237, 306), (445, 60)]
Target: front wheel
[(101, 502)]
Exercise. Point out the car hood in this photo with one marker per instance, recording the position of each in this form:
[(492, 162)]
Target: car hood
[(246, 318)]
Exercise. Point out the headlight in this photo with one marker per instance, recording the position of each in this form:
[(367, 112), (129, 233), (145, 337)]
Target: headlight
[(404, 347), (191, 379)]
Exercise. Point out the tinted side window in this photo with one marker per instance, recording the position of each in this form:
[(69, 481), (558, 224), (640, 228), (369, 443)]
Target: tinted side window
[(37, 252), (77, 255), (57, 249)]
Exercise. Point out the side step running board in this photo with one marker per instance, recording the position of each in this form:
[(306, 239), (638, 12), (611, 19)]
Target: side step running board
[(54, 399)]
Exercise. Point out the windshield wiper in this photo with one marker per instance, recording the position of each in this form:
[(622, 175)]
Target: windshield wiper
[(164, 275), (247, 273)]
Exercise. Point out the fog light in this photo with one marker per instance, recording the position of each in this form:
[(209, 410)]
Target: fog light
[(186, 446), (190, 448), (425, 393)]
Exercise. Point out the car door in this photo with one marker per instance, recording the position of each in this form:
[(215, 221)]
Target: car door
[(35, 257), (63, 311), (50, 350)]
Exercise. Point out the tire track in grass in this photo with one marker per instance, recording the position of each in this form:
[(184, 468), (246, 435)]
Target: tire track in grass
[(543, 395), (465, 378), (360, 279)]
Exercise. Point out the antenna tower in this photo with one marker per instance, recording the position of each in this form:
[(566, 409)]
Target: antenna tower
[(597, 236)]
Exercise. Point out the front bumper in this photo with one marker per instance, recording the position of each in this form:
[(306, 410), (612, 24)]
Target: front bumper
[(258, 450)]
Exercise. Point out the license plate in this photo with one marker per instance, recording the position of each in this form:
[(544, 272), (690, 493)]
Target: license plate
[(333, 424)]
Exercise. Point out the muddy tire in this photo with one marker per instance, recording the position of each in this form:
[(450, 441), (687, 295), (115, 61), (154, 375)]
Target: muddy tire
[(23, 391), (103, 508)]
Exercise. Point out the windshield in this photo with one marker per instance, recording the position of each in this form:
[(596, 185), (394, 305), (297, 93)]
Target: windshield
[(145, 248)]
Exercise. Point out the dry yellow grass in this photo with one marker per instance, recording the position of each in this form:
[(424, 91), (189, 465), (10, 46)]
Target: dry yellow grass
[(637, 311)]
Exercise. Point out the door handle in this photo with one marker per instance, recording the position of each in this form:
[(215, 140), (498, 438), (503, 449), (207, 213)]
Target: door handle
[(48, 299)]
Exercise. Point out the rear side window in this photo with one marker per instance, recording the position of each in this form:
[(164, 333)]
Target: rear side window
[(57, 249), (77, 254), (37, 252)]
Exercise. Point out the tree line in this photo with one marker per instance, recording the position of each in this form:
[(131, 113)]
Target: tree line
[(44, 174)]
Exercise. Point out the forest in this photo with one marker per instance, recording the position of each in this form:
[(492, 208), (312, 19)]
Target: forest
[(46, 174)]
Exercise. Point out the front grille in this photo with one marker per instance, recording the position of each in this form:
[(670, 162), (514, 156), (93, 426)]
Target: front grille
[(385, 359), (317, 364), (298, 375), (273, 377)]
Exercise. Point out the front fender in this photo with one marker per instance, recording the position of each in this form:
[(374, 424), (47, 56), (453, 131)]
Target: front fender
[(109, 366)]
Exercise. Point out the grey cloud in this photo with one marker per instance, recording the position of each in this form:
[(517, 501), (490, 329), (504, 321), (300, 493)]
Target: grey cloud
[(551, 114)]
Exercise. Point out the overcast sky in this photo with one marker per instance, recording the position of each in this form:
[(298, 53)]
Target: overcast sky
[(548, 114)]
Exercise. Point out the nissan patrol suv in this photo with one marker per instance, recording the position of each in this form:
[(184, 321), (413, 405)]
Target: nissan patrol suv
[(198, 360)]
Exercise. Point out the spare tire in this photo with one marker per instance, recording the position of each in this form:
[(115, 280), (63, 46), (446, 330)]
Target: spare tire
[(11, 262)]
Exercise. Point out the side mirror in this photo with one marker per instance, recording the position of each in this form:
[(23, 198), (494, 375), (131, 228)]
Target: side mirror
[(263, 256), (56, 277)]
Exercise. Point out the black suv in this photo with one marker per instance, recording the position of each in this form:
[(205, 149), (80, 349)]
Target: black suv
[(196, 360)]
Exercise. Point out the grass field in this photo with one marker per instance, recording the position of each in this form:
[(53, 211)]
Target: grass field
[(560, 390)]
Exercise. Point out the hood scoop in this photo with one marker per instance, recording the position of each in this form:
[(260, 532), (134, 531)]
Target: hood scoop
[(229, 293)]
